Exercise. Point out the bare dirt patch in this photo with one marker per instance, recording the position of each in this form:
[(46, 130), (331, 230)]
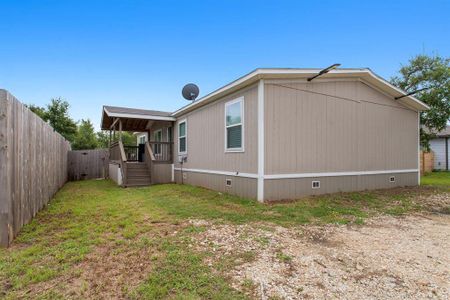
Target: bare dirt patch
[(111, 270), (387, 258)]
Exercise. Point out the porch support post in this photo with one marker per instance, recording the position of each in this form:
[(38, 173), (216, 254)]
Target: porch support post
[(120, 129), (114, 132), (110, 138), (260, 192)]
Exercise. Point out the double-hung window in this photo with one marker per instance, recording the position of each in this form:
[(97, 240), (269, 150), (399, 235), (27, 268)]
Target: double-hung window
[(182, 137), (234, 125)]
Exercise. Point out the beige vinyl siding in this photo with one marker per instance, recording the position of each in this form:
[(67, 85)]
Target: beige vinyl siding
[(357, 128), (279, 189), (206, 136), (243, 187), (161, 173)]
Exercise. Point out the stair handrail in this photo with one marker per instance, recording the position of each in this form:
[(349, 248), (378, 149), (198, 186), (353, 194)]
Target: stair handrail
[(123, 163), (149, 158), (123, 157), (149, 151)]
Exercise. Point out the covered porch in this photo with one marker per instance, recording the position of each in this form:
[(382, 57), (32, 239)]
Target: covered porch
[(144, 161)]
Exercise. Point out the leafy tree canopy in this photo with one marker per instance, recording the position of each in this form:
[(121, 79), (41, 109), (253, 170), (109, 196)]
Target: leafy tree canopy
[(432, 72), (40, 111), (128, 139), (57, 115), (103, 139), (85, 137), (82, 136)]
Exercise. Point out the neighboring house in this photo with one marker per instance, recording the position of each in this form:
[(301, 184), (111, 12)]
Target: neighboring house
[(440, 147), (272, 135)]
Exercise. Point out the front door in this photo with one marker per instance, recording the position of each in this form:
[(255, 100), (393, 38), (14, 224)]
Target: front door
[(141, 152)]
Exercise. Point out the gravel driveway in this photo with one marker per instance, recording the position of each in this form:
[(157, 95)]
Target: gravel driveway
[(386, 258)]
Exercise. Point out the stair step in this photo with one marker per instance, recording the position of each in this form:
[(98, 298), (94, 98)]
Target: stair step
[(138, 167), (143, 182), (138, 172), (138, 177)]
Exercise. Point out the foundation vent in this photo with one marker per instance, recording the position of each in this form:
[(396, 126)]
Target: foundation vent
[(228, 182), (392, 179), (316, 184)]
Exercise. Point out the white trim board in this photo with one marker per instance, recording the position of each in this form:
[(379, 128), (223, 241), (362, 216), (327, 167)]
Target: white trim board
[(260, 153), (138, 116), (185, 137), (298, 175), (241, 149), (227, 173), (172, 172), (418, 147), (337, 174)]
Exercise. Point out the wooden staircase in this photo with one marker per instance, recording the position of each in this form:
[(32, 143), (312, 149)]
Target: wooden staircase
[(137, 174)]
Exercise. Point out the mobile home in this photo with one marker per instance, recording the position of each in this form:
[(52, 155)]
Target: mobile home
[(273, 134)]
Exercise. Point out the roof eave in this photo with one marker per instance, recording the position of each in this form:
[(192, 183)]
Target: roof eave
[(133, 116), (258, 74)]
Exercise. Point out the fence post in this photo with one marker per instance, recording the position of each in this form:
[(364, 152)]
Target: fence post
[(5, 194)]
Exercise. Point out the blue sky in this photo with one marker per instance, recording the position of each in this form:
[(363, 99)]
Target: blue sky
[(141, 53)]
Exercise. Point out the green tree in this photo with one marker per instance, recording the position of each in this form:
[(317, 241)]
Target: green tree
[(432, 72), (103, 139), (128, 138), (85, 137), (57, 115), (40, 111)]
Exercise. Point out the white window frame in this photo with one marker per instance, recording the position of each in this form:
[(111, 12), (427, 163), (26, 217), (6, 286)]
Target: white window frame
[(185, 136), (242, 124)]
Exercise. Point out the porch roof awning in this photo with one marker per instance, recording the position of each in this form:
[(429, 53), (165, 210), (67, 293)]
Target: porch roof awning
[(132, 119)]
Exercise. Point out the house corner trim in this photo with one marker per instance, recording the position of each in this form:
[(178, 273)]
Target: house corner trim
[(418, 147), (260, 192)]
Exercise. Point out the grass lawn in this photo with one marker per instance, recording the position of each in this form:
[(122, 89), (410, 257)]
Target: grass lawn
[(437, 179), (96, 240)]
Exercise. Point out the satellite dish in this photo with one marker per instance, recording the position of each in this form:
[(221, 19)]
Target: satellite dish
[(190, 91)]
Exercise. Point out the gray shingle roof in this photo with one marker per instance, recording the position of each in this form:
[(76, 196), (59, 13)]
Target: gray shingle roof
[(445, 132)]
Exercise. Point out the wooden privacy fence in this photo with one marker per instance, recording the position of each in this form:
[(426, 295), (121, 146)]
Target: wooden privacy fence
[(33, 165), (88, 164), (426, 162)]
